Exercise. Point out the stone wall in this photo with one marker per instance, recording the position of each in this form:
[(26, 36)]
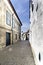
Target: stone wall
[(3, 37), (4, 27)]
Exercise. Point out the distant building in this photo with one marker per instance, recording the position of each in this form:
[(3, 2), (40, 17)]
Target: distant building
[(36, 30), (10, 24), (25, 35)]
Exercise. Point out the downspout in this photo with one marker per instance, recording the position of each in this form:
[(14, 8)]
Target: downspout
[(12, 29)]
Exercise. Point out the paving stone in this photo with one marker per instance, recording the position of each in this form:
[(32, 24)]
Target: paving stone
[(18, 54)]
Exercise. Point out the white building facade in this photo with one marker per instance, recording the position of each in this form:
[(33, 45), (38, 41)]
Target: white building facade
[(36, 30)]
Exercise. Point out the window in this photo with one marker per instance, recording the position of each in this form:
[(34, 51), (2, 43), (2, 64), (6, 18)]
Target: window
[(37, 7), (8, 18), (15, 36), (16, 26), (39, 57), (19, 35), (32, 7), (13, 23)]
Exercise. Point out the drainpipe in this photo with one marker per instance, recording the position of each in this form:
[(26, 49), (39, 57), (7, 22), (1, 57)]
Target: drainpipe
[(12, 29)]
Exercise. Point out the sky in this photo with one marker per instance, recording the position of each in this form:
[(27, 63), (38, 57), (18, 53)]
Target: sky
[(22, 9)]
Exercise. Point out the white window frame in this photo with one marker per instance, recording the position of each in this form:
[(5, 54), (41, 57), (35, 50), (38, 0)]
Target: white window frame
[(8, 18), (13, 21)]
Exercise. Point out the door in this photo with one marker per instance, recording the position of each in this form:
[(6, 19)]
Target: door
[(7, 38), (15, 36)]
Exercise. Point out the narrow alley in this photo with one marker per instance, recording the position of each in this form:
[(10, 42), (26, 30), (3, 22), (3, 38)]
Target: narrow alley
[(18, 54)]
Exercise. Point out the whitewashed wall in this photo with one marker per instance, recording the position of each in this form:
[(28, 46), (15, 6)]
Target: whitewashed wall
[(36, 31)]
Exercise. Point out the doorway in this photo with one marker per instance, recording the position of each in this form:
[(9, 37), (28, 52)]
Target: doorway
[(7, 38)]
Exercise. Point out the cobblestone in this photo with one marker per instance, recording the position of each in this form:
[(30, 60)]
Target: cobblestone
[(18, 54)]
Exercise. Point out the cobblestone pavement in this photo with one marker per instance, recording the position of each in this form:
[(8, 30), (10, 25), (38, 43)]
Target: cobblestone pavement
[(18, 54)]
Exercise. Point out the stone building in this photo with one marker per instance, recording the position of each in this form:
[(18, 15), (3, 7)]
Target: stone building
[(10, 24), (25, 35), (36, 30)]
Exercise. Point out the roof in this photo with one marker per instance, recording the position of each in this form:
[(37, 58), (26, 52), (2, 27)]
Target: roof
[(26, 32), (14, 11)]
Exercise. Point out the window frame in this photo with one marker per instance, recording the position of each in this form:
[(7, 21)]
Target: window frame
[(13, 21), (8, 16)]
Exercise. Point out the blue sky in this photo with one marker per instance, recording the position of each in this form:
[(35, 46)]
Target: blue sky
[(22, 9)]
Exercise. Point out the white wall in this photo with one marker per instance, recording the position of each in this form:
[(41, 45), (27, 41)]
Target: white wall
[(36, 31)]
